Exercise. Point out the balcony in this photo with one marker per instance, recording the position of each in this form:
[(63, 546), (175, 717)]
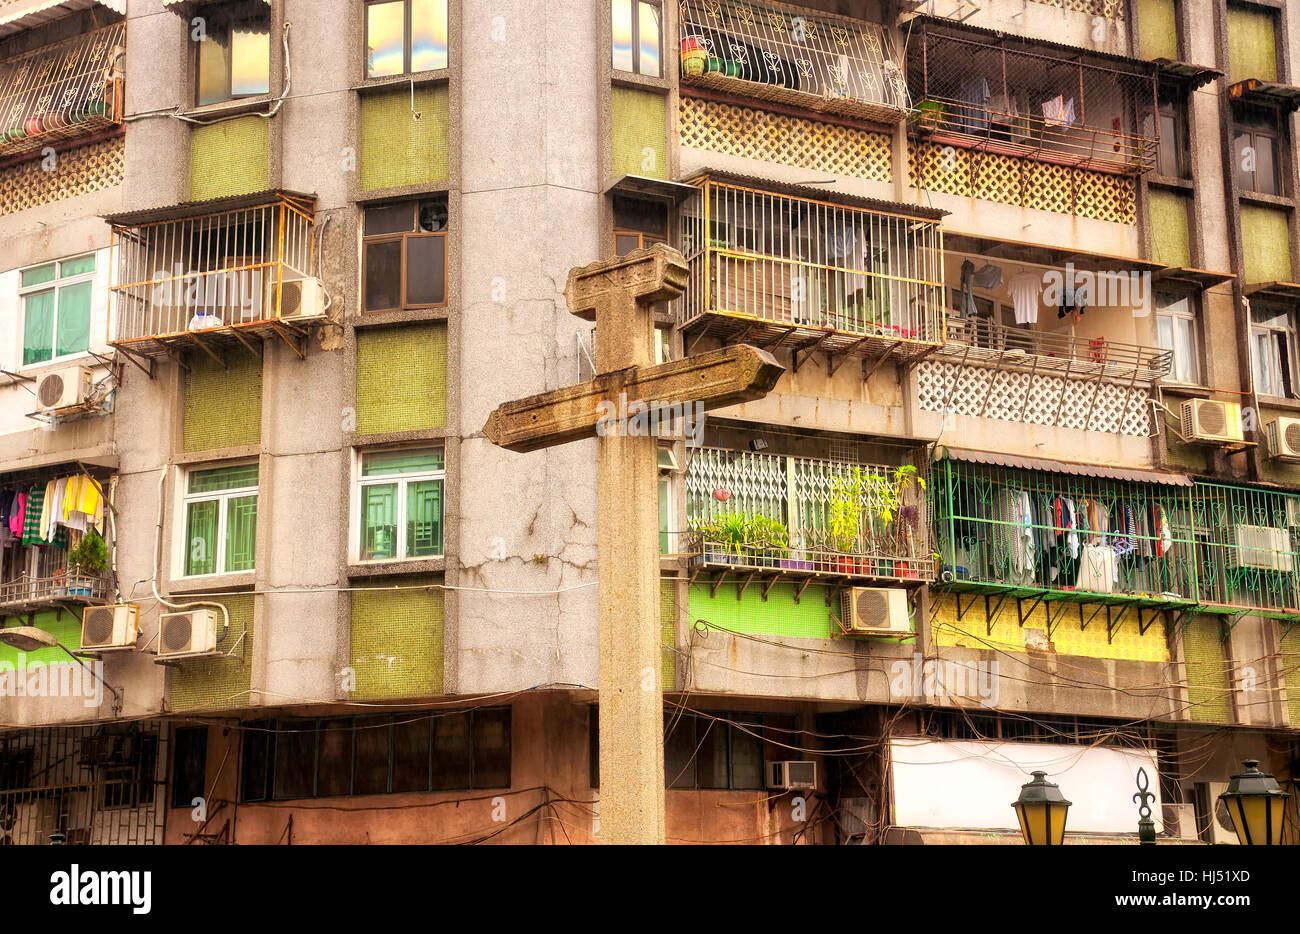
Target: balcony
[(789, 55), (61, 92), (28, 594), (200, 274), (1067, 534), (771, 266), (760, 514), (976, 89)]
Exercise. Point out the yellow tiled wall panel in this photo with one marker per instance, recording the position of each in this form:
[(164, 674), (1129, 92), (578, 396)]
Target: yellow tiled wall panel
[(398, 150), (1252, 48), (223, 405), (230, 158), (638, 126), (1206, 658), (397, 643), (401, 378), (219, 683)]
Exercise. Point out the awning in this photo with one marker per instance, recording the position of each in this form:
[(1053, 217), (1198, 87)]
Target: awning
[(184, 6), (1188, 275), (641, 185), (28, 14), (173, 212), (816, 193), (1079, 470), (1186, 73), (1254, 91), (1006, 250), (1278, 291)]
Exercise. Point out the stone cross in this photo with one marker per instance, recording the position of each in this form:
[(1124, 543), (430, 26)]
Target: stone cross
[(619, 294)]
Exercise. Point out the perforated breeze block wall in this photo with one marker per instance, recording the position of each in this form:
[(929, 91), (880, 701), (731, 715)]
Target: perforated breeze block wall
[(807, 144), (1266, 244), (223, 406), (230, 158), (638, 126), (401, 378), (77, 171), (219, 683), (1206, 660), (1068, 636), (396, 149), (66, 627), (397, 643)]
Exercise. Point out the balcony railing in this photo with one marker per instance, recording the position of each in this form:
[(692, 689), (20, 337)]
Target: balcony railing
[(795, 56), (1185, 544), (210, 274), (778, 268), (62, 91), (35, 592), (804, 516)]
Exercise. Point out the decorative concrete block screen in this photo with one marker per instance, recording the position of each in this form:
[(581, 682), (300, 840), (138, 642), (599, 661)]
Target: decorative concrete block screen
[(88, 168)]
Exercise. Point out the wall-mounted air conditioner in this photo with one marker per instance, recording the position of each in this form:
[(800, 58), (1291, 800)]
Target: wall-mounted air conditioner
[(1208, 420), (110, 627), (878, 611), (1261, 546), (792, 775), (63, 388), (1220, 829), (1284, 438), (301, 299), (193, 632)]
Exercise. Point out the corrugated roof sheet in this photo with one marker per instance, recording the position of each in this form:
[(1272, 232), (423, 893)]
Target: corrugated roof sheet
[(39, 12), (821, 194), (1125, 474), (210, 206)]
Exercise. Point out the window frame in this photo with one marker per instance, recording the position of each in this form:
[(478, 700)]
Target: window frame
[(1286, 371), (403, 237), (1257, 123), (222, 497), (56, 285), (222, 15), (1173, 103), (359, 482), (1193, 315), (635, 11), (406, 41)]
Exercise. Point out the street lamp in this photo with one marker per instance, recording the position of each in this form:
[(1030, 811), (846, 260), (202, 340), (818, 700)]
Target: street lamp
[(1041, 809), (30, 638), (1256, 803)]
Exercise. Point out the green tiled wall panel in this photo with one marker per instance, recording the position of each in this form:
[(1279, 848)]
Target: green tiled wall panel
[(1266, 244), (1207, 671), (401, 378), (397, 643), (778, 615), (219, 683), (66, 627), (396, 149), (1170, 243), (1157, 29), (638, 121), (223, 406), (230, 158), (668, 621), (1252, 50)]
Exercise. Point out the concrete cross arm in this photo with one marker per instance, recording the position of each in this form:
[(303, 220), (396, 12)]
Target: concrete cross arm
[(654, 274), (728, 376)]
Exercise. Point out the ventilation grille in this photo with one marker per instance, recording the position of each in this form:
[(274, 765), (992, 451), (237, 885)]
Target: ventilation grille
[(177, 632), (97, 626), (50, 390)]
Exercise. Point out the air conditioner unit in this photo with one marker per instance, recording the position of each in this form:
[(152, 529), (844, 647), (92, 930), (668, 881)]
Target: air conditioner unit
[(300, 299), (1221, 829), (878, 611), (792, 775), (1261, 546), (193, 632), (1284, 439), (1206, 420), (110, 627), (64, 388)]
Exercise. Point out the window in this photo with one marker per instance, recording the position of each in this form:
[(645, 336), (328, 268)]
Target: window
[(189, 765), (220, 520), (405, 256), (667, 500), (455, 750), (401, 499), (636, 36), (56, 309), (637, 224), (1272, 339), (1171, 129), (233, 57), (701, 752), (1176, 331), (1256, 148), (127, 779), (405, 36)]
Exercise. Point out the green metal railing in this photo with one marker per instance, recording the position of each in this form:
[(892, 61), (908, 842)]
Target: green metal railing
[(1209, 545)]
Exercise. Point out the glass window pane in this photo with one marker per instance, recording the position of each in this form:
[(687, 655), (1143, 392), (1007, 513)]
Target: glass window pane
[(626, 243), (648, 39), (679, 753), (250, 60), (383, 275), (423, 518), (663, 515), (390, 219), (295, 758), (491, 748), (1184, 348), (410, 752), (241, 533), (1168, 145), (1264, 370), (38, 276), (38, 327), (1244, 166), (256, 769), (74, 319), (382, 463), (214, 67), (746, 756), (426, 270), (385, 39), (711, 757), (334, 768), (451, 752), (201, 537), (428, 34), (239, 477), (378, 521), (80, 266), (1266, 165), (370, 773), (621, 14)]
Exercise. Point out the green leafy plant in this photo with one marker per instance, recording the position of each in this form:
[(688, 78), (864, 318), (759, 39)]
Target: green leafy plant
[(848, 496), (731, 530), (90, 556)]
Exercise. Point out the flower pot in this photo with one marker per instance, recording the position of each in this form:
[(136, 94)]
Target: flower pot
[(715, 64), (846, 565), (731, 69), (694, 56), (34, 125)]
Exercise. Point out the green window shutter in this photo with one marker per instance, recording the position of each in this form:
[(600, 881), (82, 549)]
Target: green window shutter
[(401, 378), (74, 319), (38, 327), (396, 149), (638, 123)]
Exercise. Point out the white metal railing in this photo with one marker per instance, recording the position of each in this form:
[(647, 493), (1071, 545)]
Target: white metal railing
[(26, 590)]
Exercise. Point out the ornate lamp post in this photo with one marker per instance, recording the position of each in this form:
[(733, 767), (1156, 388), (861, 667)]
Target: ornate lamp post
[(1256, 803), (1041, 809)]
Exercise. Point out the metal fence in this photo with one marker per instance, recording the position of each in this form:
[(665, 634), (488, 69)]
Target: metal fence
[(25, 591)]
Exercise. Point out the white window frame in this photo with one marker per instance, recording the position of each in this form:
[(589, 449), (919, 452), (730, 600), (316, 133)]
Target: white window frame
[(54, 285), (1281, 375), (1191, 315), (180, 549), (359, 482)]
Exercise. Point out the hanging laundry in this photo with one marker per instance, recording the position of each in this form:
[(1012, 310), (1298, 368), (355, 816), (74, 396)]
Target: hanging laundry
[(989, 277), (975, 94), (32, 518), (1025, 289), (1059, 111)]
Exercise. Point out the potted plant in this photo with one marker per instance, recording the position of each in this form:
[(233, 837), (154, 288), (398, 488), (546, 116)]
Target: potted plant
[(730, 532), (694, 55), (88, 559), (796, 559), (769, 541), (847, 499)]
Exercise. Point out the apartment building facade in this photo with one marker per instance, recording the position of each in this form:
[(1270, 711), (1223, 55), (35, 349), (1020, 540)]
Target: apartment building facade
[(1024, 498)]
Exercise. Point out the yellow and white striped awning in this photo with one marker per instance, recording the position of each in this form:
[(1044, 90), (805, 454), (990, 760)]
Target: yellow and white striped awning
[(28, 14)]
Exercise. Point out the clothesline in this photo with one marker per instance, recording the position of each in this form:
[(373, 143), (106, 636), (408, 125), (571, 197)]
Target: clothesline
[(37, 515)]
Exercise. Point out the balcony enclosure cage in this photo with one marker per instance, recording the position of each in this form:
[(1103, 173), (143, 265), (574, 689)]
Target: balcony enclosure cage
[(757, 511), (1022, 98), (773, 268), (795, 56), (62, 91), (208, 273), (1175, 544)]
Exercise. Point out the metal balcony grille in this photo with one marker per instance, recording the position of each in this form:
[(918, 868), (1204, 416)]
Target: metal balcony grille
[(62, 91), (29, 593), (797, 496), (779, 269), (790, 55), (981, 341)]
